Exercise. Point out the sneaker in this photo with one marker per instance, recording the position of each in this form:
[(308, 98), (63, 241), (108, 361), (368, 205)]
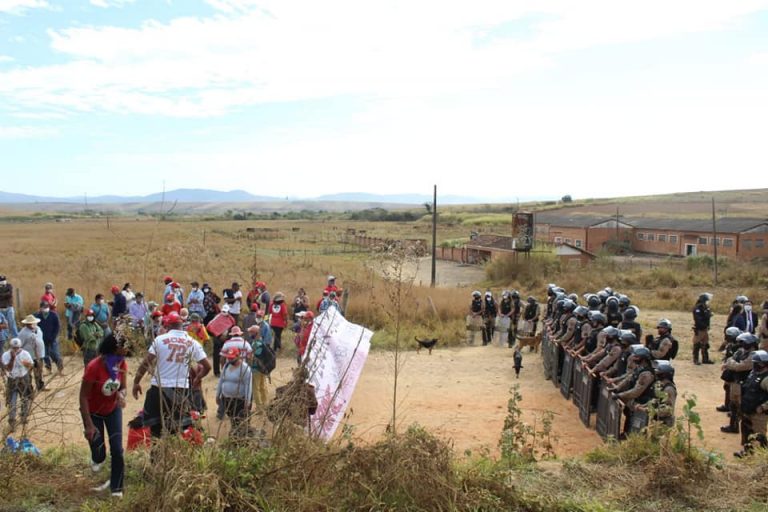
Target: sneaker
[(117, 494), (96, 466), (740, 455), (728, 429), (722, 408), (102, 487)]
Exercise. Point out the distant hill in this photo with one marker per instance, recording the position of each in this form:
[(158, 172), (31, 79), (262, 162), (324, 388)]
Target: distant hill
[(192, 195)]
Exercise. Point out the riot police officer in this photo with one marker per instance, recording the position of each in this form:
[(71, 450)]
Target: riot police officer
[(702, 315)]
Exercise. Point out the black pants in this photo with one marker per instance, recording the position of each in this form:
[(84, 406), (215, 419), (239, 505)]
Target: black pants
[(488, 330), (278, 338), (218, 342), (166, 410), (237, 410)]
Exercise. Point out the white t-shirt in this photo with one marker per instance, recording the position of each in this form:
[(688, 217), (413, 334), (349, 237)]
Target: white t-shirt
[(175, 351), (234, 308), (18, 370), (237, 342)]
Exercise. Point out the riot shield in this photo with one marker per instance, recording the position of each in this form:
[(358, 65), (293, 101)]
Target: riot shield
[(609, 412), (546, 357), (566, 377), (556, 355)]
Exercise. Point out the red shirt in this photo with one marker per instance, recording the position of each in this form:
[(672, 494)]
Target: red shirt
[(278, 314), (168, 308), (50, 298), (102, 399)]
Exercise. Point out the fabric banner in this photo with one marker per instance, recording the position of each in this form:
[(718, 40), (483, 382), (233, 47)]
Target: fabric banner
[(335, 358)]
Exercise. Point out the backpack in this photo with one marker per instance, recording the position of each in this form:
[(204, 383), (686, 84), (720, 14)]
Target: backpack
[(267, 360), (675, 346)]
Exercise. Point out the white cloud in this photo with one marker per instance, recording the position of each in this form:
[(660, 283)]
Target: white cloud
[(275, 51), (6, 58), (26, 132), (19, 6), (105, 4)]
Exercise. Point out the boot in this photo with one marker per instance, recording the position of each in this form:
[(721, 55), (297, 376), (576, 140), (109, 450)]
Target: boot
[(733, 424), (696, 354), (705, 357)]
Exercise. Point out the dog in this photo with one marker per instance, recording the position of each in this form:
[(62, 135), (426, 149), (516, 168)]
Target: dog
[(530, 341), (429, 344)]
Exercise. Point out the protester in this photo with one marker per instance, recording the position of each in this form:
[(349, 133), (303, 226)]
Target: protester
[(138, 311), (89, 336), (300, 303), (119, 304), (49, 296), (278, 319), (49, 325), (17, 363), (6, 305), (195, 300), (197, 330), (170, 355), (101, 313), (32, 341), (262, 364), (170, 305), (233, 392), (102, 399), (130, 297), (218, 328), (306, 320), (73, 304), (234, 297), (250, 319)]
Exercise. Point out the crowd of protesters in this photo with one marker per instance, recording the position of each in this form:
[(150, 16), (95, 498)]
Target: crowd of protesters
[(242, 332)]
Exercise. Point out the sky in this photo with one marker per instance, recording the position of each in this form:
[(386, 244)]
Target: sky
[(492, 98)]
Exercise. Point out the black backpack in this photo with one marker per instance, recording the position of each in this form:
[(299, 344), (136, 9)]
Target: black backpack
[(675, 346), (267, 361)]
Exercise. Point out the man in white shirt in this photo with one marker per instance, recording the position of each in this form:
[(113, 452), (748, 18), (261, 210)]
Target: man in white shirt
[(171, 355), (31, 337), (235, 301), (16, 363)]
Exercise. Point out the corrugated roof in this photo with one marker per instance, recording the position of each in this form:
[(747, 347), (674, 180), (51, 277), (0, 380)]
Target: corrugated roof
[(727, 225), (570, 221), (492, 242)]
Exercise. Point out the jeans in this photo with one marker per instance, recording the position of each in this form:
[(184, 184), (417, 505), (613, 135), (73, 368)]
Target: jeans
[(217, 344), (52, 354), (10, 315), (72, 324), (114, 425), (14, 389), (89, 355)]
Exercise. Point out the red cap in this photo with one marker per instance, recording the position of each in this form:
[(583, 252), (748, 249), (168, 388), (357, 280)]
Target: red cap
[(231, 353), (175, 285), (167, 279), (170, 296), (156, 313), (115, 290), (172, 318), (309, 314), (89, 312), (254, 307)]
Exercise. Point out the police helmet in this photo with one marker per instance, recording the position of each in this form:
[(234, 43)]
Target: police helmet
[(747, 339), (640, 351), (624, 301), (742, 299), (574, 297), (477, 293), (664, 368), (531, 299), (597, 317), (627, 338), (760, 357), (732, 332), (515, 294), (569, 305), (551, 287), (664, 324), (630, 314), (593, 301), (580, 311), (611, 331), (602, 295), (705, 297), (612, 300), (608, 290), (505, 294)]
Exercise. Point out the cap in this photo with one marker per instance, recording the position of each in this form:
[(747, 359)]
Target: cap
[(225, 308), (331, 278), (155, 314), (175, 285), (89, 312), (115, 289), (235, 331), (309, 314), (231, 353), (172, 318), (170, 296), (167, 279), (255, 307), (15, 343)]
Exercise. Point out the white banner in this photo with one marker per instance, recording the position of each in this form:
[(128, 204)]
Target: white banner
[(336, 354)]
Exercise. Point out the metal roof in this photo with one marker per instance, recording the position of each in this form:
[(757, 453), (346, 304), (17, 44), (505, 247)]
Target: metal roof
[(571, 221), (726, 225)]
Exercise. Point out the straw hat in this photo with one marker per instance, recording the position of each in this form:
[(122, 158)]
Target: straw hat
[(30, 320)]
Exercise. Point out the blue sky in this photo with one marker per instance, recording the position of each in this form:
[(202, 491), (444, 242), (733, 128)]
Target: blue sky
[(496, 98)]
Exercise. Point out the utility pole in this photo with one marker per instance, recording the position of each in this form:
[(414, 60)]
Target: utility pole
[(714, 238), (617, 228), (434, 236)]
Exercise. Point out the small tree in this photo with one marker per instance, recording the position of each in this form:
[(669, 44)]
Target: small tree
[(567, 198)]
